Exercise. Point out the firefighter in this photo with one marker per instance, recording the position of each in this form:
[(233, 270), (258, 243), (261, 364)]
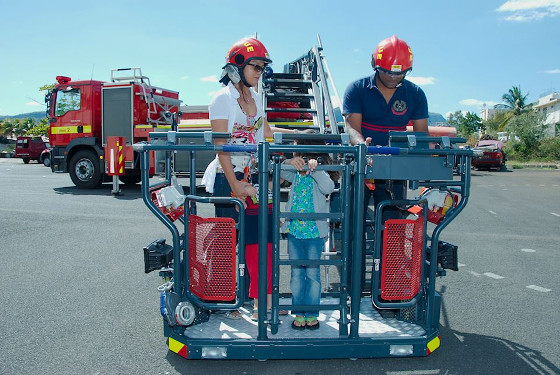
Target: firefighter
[(383, 102)]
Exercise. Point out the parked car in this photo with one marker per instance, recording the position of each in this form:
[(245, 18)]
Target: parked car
[(45, 157), (30, 148), (488, 154)]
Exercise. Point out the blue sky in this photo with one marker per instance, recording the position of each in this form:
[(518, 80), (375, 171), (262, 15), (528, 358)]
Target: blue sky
[(466, 53)]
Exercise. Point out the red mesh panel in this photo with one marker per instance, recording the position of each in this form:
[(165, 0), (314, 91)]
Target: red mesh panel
[(401, 258), (212, 257)]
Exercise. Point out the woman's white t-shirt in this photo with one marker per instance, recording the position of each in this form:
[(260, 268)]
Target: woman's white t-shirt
[(244, 129)]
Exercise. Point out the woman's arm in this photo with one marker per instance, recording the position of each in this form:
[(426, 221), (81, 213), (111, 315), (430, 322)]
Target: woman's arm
[(239, 189)]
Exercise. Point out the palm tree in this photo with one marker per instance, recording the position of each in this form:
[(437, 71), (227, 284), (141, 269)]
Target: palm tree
[(515, 100)]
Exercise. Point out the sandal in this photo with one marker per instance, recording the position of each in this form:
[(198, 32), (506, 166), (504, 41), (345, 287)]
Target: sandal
[(298, 323), (234, 314), (312, 323), (255, 316)]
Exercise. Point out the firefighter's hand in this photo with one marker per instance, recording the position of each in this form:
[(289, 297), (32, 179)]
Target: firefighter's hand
[(367, 141), (297, 162), (242, 189)]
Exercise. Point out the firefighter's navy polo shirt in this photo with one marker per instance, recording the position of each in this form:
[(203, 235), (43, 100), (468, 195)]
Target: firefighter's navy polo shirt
[(378, 118)]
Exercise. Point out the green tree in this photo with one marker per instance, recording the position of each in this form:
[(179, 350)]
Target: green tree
[(515, 100), (453, 119), (469, 124), (530, 128), (40, 129), (497, 122)]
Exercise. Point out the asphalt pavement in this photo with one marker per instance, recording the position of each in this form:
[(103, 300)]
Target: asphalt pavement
[(75, 299)]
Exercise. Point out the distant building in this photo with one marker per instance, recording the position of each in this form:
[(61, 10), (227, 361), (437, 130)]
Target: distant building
[(549, 106), (487, 113)]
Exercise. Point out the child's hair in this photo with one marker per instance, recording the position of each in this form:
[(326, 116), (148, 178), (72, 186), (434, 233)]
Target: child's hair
[(325, 158)]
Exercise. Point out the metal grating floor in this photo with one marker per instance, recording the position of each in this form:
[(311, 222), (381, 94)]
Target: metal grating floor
[(371, 325)]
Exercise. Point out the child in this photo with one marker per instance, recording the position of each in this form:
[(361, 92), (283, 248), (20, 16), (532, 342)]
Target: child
[(306, 238)]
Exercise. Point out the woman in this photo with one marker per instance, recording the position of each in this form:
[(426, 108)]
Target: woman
[(238, 109)]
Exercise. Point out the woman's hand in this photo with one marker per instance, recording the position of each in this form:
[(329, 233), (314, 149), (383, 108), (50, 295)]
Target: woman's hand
[(243, 189), (297, 162)]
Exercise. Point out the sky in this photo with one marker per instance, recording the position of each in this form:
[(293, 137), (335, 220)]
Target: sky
[(467, 54)]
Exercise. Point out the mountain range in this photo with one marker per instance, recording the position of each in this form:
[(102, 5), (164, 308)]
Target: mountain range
[(35, 115)]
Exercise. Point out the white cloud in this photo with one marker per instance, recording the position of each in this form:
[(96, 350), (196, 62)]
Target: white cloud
[(421, 81), (209, 79), (552, 71), (356, 50), (185, 77), (477, 103), (33, 104), (529, 10)]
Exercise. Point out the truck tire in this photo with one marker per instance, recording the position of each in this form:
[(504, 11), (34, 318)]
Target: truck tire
[(47, 161), (84, 170), (26, 160)]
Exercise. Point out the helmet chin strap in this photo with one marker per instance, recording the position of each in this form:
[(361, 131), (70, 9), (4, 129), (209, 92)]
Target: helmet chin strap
[(242, 76)]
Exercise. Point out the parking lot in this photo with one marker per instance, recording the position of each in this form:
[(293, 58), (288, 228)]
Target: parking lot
[(75, 298)]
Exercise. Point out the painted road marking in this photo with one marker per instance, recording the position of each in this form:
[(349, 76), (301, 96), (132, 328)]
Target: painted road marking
[(493, 275), (555, 214), (529, 250), (492, 212), (539, 288), (474, 273), (461, 264)]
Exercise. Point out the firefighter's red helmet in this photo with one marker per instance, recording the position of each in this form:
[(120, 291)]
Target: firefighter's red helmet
[(392, 55), (245, 50)]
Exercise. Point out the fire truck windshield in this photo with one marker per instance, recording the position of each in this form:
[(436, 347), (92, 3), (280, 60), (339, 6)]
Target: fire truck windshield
[(67, 100)]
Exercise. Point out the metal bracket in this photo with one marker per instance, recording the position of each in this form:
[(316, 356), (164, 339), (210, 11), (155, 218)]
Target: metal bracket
[(171, 137), (411, 140), (208, 137), (345, 139), (445, 142), (277, 138)]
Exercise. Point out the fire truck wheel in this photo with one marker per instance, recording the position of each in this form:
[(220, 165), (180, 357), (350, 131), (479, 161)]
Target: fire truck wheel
[(26, 160), (84, 170), (47, 161), (130, 179)]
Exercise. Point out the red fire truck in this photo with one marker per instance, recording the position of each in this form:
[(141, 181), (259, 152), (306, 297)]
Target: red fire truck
[(83, 114)]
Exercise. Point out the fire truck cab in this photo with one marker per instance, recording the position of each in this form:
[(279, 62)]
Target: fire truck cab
[(83, 114)]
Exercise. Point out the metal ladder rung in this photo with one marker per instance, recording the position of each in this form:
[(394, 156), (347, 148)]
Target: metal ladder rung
[(283, 82), (130, 78), (292, 110), (277, 96)]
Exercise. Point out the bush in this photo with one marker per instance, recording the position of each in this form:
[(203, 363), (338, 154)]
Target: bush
[(549, 149)]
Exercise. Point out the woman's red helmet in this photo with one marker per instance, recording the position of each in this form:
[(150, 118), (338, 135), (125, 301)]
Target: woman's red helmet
[(392, 55), (245, 50)]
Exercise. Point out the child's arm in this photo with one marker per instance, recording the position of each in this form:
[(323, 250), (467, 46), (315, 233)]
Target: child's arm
[(324, 182), (295, 162)]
